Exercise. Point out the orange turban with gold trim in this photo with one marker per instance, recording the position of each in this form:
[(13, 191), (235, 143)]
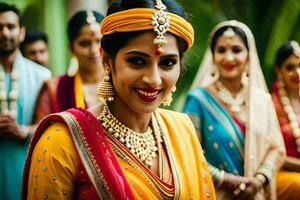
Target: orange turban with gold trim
[(139, 19)]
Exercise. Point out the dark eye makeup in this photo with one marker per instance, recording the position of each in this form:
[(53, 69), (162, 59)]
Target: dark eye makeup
[(290, 67), (168, 62), (85, 43), (136, 60), (235, 49)]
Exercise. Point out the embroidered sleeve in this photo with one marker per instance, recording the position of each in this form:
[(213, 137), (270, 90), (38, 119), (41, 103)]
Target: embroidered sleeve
[(53, 165)]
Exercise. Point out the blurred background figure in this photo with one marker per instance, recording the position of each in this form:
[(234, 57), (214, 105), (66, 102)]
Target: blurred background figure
[(286, 98), (78, 87), (234, 116), (35, 47), (20, 81)]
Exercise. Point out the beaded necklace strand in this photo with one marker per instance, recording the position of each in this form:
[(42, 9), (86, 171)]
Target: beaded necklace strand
[(234, 103), (292, 117), (8, 103)]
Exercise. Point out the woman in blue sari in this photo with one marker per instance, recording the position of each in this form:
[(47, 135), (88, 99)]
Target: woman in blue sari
[(234, 116)]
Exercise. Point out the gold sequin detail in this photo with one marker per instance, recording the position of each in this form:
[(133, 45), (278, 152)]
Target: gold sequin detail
[(207, 194), (216, 146)]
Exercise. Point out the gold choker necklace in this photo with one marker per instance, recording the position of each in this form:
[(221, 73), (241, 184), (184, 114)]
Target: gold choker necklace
[(142, 145)]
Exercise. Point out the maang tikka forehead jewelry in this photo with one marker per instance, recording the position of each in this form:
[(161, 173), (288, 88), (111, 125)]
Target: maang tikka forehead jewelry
[(295, 47), (160, 23), (229, 33), (91, 20)]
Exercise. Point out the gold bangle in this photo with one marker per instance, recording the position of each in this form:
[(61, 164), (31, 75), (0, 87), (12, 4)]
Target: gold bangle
[(261, 180), (221, 178)]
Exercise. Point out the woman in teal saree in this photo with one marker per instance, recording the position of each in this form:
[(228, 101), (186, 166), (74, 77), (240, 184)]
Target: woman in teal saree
[(234, 116), (214, 119)]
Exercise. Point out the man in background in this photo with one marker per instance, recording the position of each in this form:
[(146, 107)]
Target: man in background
[(35, 47), (20, 82)]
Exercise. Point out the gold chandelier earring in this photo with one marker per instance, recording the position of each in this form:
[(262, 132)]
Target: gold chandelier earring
[(105, 90), (168, 100)]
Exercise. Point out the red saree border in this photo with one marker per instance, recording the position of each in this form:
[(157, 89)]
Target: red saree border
[(287, 134), (96, 155)]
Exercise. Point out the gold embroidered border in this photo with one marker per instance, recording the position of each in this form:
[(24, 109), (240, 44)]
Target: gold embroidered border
[(149, 179), (87, 157), (170, 155)]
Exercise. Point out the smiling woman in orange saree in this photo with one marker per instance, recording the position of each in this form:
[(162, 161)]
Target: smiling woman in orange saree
[(126, 147)]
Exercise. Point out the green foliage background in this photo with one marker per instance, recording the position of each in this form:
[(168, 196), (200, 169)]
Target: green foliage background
[(272, 22)]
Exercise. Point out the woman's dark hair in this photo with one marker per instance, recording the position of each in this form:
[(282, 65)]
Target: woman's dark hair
[(220, 32), (78, 21), (113, 42), (283, 53)]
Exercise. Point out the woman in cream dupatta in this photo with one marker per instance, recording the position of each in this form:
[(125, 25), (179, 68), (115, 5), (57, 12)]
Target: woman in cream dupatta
[(240, 135)]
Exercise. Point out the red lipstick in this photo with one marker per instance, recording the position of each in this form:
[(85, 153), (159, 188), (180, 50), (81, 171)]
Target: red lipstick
[(147, 94), (229, 67)]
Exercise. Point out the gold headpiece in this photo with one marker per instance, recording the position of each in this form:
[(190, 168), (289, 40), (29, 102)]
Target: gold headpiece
[(295, 47), (231, 23), (91, 20), (229, 33), (138, 19), (160, 23)]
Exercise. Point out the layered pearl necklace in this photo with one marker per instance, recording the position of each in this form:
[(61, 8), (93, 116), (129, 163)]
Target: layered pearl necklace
[(142, 145), (286, 103), (8, 103), (234, 103)]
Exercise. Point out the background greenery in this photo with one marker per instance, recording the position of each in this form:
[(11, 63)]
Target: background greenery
[(49, 16), (272, 22)]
